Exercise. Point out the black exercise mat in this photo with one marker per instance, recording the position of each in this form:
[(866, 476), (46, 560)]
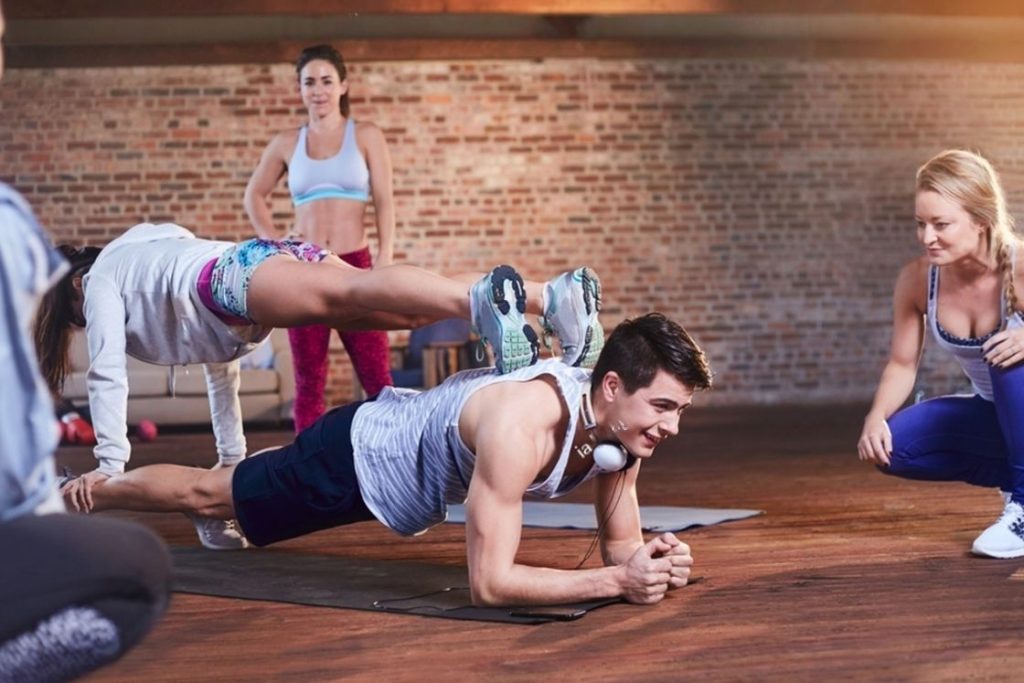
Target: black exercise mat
[(328, 581)]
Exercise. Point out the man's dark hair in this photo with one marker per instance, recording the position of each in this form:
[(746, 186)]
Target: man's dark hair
[(639, 347)]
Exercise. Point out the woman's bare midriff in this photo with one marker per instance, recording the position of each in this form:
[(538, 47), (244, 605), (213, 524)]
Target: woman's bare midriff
[(334, 224)]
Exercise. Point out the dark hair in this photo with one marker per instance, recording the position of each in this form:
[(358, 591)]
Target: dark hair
[(638, 348), (56, 316), (328, 54)]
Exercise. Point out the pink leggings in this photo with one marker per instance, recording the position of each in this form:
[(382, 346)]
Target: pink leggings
[(368, 351)]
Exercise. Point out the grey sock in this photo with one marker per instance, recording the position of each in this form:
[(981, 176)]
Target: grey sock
[(62, 647)]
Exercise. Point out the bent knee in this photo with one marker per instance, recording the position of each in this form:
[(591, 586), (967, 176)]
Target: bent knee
[(900, 463)]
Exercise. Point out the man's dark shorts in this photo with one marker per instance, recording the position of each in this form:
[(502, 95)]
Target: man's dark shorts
[(303, 487)]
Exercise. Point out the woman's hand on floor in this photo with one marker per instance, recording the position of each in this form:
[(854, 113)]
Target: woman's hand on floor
[(78, 492), (875, 444)]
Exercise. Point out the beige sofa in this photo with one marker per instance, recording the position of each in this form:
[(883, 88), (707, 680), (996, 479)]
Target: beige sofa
[(266, 394)]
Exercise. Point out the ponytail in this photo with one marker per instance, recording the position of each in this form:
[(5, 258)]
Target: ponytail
[(970, 180), (56, 316)]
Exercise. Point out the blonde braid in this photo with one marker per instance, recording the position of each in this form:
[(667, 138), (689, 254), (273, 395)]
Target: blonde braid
[(1005, 264), (970, 180)]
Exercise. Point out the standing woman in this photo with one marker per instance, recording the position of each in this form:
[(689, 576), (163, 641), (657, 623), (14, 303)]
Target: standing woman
[(335, 166), (964, 290)]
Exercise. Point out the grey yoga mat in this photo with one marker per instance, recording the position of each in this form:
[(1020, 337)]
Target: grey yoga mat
[(579, 516), (329, 581)]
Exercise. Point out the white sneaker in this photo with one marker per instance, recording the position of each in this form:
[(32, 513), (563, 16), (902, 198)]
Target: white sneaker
[(218, 534), (573, 300), (498, 302), (1005, 538)]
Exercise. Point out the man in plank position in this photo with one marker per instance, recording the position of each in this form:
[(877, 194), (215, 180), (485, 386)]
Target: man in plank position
[(487, 439)]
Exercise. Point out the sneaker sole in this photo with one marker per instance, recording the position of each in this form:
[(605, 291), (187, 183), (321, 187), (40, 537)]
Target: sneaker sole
[(1008, 555), (593, 342), (211, 546), (518, 346)]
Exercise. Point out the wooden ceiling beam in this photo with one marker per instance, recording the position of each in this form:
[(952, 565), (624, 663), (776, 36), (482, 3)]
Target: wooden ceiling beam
[(567, 26), (81, 9), (486, 50)]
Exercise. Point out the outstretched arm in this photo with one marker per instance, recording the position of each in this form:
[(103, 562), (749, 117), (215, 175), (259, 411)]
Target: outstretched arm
[(268, 172), (107, 383), (875, 444), (381, 177), (222, 384), (107, 378)]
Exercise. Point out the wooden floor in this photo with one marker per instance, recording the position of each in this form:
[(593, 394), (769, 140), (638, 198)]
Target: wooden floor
[(850, 575)]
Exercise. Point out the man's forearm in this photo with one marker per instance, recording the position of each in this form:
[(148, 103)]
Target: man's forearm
[(619, 552), (525, 585)]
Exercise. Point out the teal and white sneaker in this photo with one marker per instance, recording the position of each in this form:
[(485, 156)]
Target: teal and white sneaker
[(573, 300), (498, 304)]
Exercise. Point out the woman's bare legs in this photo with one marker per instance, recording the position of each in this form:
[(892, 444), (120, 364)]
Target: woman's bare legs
[(534, 291), (396, 321), (285, 292), (169, 488)]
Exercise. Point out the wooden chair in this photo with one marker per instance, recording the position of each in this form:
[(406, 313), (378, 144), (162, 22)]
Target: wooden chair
[(436, 351)]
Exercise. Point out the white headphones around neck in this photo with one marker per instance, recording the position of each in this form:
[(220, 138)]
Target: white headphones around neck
[(609, 456)]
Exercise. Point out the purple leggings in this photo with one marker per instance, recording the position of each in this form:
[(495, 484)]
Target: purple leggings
[(368, 350), (965, 438)]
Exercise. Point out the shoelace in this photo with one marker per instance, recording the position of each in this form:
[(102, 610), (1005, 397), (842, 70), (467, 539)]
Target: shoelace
[(1011, 510), (1013, 517), (480, 350)]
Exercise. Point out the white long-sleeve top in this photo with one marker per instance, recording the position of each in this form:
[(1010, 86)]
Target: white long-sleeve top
[(141, 300)]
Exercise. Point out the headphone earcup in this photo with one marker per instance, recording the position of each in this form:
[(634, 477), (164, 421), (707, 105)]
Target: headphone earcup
[(612, 457)]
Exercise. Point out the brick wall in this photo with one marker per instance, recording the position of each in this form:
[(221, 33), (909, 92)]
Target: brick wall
[(766, 204)]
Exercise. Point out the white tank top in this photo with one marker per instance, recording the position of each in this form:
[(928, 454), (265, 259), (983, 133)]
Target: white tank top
[(967, 352), (411, 462)]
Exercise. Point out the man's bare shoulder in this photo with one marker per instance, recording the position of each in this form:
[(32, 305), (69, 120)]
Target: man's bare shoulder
[(503, 407), (537, 401)]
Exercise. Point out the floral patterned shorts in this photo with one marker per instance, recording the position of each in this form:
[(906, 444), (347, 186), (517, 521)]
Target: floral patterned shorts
[(230, 277)]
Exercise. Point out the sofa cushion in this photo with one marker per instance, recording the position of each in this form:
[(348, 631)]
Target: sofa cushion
[(191, 381), (259, 382), (144, 379), (149, 382), (74, 387), (78, 352)]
